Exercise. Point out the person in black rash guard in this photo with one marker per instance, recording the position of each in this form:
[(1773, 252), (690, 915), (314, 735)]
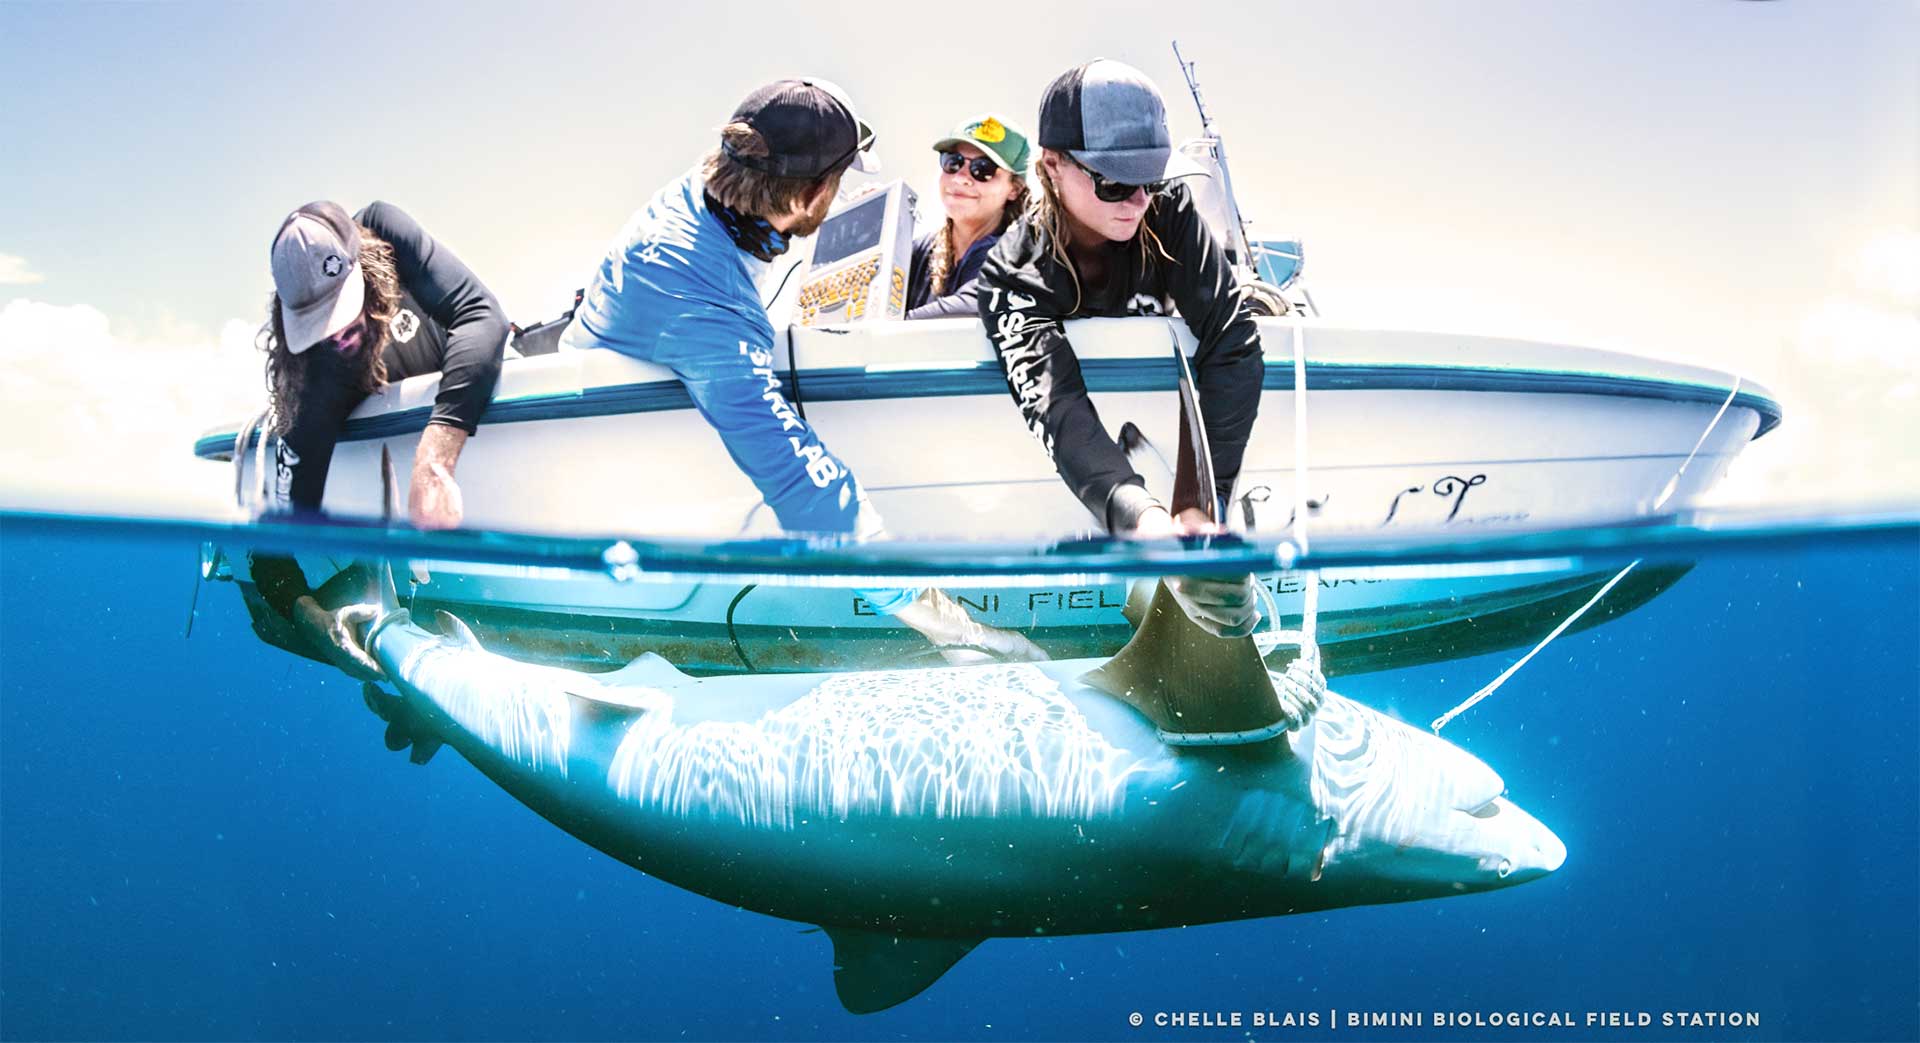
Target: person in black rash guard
[(360, 301), (1114, 235), (983, 188)]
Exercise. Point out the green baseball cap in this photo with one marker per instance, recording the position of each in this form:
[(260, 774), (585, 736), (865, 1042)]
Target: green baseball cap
[(995, 136)]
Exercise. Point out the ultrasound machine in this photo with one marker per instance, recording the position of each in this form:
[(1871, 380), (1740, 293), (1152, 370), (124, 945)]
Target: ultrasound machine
[(860, 259)]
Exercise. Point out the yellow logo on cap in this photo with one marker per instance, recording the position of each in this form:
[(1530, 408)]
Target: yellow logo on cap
[(990, 131)]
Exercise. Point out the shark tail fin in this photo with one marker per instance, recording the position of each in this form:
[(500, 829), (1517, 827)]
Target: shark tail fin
[(874, 971), (1197, 689)]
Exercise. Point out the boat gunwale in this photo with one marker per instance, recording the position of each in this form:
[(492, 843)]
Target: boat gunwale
[(1102, 375)]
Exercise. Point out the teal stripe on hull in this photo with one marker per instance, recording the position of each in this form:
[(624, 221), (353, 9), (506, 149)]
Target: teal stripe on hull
[(857, 384)]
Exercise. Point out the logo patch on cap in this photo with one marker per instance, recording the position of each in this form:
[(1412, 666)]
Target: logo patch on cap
[(333, 266), (990, 131)]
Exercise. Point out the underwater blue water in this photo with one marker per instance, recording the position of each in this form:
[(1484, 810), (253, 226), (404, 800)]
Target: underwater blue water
[(205, 838)]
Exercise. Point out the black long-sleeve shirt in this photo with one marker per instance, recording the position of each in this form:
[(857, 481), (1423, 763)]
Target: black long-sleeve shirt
[(1025, 294), (448, 322)]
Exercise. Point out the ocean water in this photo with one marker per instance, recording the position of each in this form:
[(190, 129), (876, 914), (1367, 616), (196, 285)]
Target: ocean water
[(204, 837)]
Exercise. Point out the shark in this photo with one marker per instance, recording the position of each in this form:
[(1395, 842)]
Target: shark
[(912, 814)]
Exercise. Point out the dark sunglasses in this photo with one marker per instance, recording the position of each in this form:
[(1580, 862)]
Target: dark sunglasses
[(845, 159), (1113, 191), (980, 168)]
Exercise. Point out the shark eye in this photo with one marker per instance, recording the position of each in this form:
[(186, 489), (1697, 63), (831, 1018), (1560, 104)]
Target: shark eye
[(1506, 867), (1487, 810)]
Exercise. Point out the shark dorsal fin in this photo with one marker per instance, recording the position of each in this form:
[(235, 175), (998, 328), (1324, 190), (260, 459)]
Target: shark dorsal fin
[(649, 669), (451, 626), (633, 689), (1197, 689), (873, 971)]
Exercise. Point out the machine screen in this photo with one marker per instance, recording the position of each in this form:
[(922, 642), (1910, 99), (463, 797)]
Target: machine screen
[(852, 230)]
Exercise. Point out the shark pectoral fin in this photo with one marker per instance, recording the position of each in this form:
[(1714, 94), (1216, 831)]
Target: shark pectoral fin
[(424, 747), (873, 971), (1197, 689), (451, 626)]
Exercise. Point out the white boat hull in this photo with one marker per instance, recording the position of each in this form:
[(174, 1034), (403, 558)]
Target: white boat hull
[(1404, 429)]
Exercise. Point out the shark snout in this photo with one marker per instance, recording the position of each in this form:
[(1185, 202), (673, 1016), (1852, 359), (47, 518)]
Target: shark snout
[(1518, 848), (1423, 816)]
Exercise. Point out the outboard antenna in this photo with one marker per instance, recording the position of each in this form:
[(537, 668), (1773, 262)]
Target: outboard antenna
[(1193, 87), (1243, 247)]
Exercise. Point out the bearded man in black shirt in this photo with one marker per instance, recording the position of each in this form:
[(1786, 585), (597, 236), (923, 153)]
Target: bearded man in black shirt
[(360, 301)]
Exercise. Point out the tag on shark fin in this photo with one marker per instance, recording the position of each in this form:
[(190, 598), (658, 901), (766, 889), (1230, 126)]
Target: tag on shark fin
[(873, 971), (451, 626)]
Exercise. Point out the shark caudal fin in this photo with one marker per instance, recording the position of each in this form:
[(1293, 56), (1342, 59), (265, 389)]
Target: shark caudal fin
[(873, 971), (1197, 689)]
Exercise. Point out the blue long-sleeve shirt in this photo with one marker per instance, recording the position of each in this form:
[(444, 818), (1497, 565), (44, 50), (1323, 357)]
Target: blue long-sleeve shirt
[(676, 291)]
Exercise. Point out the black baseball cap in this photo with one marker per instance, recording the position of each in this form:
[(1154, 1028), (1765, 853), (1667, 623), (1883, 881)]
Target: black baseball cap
[(810, 129)]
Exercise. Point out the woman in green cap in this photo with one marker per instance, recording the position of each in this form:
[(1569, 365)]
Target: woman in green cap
[(983, 187)]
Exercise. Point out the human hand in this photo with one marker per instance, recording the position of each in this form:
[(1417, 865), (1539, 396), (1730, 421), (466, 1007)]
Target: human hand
[(1222, 606), (335, 635), (959, 637), (1155, 523), (1192, 521), (405, 728), (851, 193), (985, 644)]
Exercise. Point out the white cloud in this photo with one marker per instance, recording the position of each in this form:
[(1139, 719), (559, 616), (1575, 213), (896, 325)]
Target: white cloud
[(98, 421), (14, 272), (1850, 385)]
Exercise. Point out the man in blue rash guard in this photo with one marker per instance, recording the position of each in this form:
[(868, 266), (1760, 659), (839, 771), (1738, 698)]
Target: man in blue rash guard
[(680, 289)]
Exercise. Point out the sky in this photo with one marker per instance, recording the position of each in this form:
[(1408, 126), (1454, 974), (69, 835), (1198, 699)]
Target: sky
[(1730, 183)]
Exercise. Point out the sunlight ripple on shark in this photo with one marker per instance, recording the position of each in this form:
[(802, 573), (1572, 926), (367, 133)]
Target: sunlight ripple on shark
[(914, 813)]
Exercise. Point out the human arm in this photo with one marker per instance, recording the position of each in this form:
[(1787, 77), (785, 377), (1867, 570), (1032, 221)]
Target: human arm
[(331, 634), (454, 298), (964, 298), (433, 497), (726, 363), (1023, 312), (962, 639), (962, 302), (1228, 365)]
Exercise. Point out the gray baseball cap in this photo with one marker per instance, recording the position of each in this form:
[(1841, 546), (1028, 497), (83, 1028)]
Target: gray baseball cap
[(1111, 118), (316, 272)]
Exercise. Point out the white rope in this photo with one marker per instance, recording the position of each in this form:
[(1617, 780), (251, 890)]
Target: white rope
[(1674, 482), (1441, 721), (1308, 634), (1665, 494)]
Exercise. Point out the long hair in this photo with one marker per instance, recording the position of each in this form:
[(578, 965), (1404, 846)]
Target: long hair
[(1049, 215), (287, 372), (940, 265), (749, 191)]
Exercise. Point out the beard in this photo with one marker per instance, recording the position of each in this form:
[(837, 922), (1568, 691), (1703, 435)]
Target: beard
[(811, 221)]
